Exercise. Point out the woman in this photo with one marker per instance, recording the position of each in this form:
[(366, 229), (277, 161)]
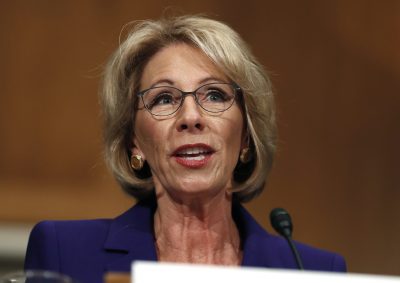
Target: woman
[(190, 133)]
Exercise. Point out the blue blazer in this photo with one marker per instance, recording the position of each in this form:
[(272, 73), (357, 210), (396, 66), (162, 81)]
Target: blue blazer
[(87, 249)]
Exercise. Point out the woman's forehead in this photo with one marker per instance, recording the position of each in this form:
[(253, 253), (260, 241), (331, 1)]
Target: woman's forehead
[(180, 64)]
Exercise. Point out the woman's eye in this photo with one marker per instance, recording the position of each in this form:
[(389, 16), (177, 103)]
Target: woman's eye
[(162, 99), (216, 96)]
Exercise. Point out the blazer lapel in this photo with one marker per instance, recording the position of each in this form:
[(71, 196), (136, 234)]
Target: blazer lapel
[(131, 238), (255, 240), (261, 249)]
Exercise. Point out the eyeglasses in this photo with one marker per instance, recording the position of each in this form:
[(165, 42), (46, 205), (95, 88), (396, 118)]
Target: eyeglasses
[(166, 100)]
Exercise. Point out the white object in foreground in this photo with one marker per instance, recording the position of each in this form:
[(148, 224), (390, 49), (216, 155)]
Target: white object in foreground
[(154, 272)]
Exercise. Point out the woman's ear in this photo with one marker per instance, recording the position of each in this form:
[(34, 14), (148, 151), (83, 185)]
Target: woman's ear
[(245, 143), (245, 152), (135, 149)]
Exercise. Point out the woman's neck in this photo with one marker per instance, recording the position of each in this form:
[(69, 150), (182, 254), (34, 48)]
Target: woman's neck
[(197, 231)]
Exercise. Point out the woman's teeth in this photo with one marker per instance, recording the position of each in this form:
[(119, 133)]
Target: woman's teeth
[(193, 152)]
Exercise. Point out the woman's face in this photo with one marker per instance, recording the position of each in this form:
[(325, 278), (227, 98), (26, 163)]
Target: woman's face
[(191, 152)]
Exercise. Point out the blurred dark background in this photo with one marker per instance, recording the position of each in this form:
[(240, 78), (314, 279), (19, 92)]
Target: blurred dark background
[(335, 66)]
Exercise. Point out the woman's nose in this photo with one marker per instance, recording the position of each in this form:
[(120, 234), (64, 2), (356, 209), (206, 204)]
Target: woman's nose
[(190, 116)]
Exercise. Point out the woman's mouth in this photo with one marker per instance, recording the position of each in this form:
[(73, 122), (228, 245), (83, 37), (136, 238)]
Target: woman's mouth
[(193, 155)]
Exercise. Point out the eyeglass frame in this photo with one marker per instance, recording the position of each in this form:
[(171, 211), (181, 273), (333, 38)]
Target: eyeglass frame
[(236, 88)]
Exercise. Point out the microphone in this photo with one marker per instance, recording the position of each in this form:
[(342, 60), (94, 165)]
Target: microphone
[(282, 223)]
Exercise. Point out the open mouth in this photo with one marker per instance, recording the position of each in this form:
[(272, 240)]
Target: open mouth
[(193, 155)]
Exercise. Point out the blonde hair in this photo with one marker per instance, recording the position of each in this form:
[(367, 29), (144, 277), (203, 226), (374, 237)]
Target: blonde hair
[(230, 53)]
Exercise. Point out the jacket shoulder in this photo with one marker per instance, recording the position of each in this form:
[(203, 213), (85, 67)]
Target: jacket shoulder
[(321, 260), (50, 242), (313, 258), (265, 250)]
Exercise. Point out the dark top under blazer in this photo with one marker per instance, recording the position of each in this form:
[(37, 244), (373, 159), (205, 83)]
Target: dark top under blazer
[(86, 249)]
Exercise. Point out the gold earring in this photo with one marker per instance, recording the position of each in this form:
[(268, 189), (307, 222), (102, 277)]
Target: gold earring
[(245, 155), (136, 162)]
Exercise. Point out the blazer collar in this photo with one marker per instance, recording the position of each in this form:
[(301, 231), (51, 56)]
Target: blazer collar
[(131, 237), (255, 240)]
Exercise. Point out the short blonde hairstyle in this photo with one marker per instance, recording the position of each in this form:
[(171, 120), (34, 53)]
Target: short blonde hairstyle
[(227, 51)]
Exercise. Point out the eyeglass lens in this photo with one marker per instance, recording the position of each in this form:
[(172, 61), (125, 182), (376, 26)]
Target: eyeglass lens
[(165, 100)]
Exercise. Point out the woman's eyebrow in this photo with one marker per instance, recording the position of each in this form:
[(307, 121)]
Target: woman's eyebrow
[(201, 82), (162, 82), (211, 79)]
